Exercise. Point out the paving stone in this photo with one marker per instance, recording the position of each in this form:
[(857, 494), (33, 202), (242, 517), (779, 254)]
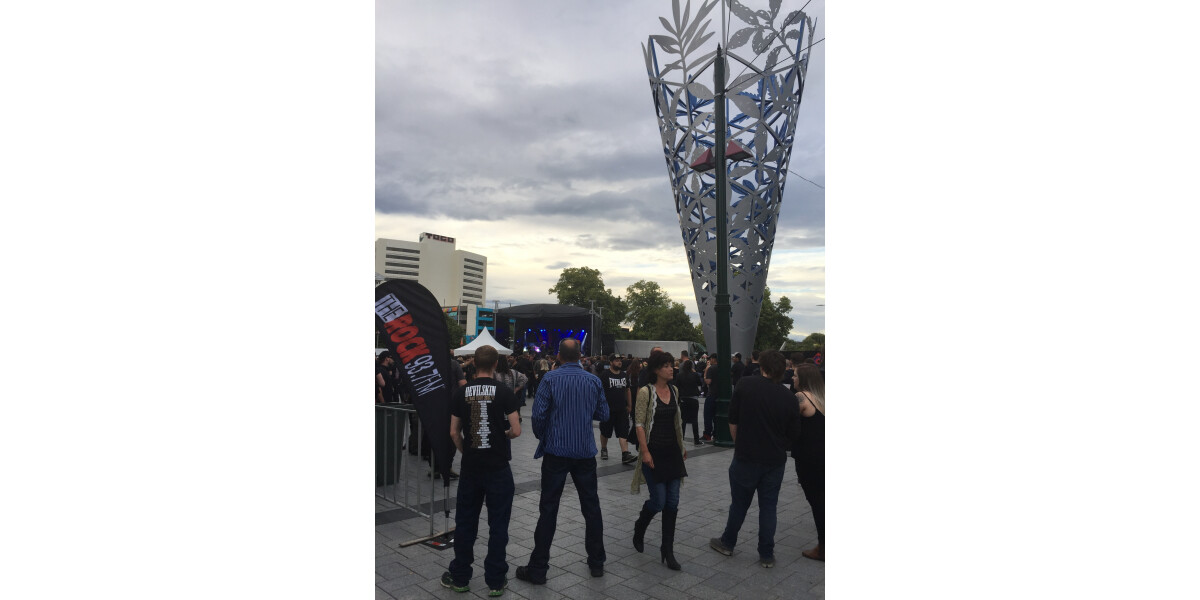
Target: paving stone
[(413, 572), (562, 581), (393, 570), (704, 592), (620, 592)]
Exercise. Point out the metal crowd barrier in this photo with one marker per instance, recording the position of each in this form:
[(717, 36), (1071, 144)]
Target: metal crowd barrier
[(397, 428)]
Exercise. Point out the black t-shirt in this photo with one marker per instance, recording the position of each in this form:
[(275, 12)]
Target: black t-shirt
[(615, 386), (767, 416), (752, 369), (711, 388), (484, 405), (735, 372), (689, 385)]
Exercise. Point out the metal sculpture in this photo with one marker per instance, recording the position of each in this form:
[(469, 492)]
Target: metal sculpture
[(766, 98)]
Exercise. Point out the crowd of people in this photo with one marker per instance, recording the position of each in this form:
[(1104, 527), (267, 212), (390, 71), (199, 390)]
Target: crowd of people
[(778, 406)]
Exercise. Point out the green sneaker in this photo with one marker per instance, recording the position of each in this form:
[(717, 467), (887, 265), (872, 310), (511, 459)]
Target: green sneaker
[(498, 591), (448, 582)]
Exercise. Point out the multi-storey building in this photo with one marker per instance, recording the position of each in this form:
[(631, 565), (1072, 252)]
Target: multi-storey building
[(455, 277)]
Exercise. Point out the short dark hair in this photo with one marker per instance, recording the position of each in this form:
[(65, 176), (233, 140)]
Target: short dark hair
[(486, 357), (656, 362), (755, 354), (772, 365), (568, 350)]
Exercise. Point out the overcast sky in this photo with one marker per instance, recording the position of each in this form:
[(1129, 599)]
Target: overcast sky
[(526, 130)]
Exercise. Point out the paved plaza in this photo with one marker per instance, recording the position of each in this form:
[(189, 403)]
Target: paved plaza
[(413, 572)]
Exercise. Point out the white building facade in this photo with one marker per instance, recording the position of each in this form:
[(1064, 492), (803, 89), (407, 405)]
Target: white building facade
[(455, 277)]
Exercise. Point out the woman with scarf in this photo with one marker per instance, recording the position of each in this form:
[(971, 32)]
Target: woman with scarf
[(809, 450), (659, 427)]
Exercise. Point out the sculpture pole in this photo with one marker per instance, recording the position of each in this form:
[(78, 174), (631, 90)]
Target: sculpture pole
[(724, 391)]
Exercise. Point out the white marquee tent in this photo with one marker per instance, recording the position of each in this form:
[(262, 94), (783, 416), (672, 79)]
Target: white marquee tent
[(483, 339)]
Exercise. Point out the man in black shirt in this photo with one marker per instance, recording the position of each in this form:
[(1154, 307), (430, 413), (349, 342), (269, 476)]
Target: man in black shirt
[(752, 368), (385, 379), (764, 421), (736, 370), (486, 411), (616, 391)]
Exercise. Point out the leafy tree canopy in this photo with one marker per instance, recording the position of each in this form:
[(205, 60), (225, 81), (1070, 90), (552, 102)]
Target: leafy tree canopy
[(655, 317), (457, 332), (814, 341), (774, 324), (578, 286)]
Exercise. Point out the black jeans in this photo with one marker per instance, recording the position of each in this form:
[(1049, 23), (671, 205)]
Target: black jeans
[(554, 477), (811, 474), (495, 487)]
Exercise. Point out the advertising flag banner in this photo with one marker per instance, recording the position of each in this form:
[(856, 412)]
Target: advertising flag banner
[(409, 318)]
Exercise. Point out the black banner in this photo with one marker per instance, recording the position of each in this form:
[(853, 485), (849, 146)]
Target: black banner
[(412, 324)]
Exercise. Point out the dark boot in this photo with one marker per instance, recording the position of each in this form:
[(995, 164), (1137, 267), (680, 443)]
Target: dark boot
[(639, 528), (668, 538)]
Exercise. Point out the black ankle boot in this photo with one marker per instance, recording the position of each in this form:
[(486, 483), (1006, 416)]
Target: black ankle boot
[(639, 528), (668, 538)]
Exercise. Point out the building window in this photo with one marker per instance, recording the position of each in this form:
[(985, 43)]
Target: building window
[(394, 272), (470, 268), (398, 257), (403, 250), (473, 261)]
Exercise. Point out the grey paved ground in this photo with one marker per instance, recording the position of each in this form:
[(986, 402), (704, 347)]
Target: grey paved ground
[(413, 572)]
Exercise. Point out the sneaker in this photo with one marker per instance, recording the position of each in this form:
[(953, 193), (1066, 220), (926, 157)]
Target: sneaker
[(719, 546), (707, 437), (628, 458), (498, 591), (453, 475), (448, 582), (767, 563), (597, 571), (604, 454), (698, 443), (524, 575)]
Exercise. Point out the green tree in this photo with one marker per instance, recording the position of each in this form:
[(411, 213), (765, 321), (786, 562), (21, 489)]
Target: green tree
[(577, 286), (641, 299), (670, 323), (457, 333), (814, 341), (774, 324), (655, 317)]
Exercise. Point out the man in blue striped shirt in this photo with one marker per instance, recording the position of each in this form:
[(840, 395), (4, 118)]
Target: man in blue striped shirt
[(568, 400)]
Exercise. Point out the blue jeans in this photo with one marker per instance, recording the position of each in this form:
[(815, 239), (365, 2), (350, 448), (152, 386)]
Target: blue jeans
[(662, 493), (495, 487), (710, 413), (554, 477), (746, 478)]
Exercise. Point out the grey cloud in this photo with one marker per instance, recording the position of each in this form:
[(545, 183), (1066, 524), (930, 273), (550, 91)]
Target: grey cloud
[(558, 265)]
